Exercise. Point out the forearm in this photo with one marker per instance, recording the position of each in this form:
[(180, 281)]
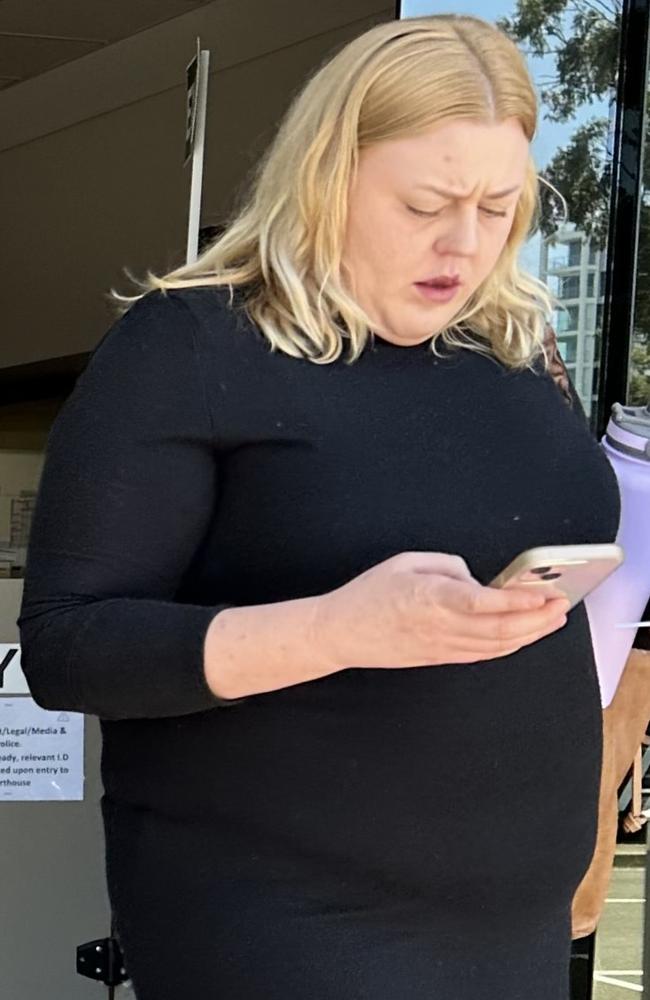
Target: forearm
[(264, 647), (119, 658)]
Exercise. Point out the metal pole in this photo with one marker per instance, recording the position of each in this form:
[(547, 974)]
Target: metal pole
[(646, 920)]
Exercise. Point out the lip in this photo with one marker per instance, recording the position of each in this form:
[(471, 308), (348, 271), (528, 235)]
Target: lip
[(451, 279), (438, 294)]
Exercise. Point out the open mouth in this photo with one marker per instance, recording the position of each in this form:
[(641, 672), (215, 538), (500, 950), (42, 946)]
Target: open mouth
[(438, 290)]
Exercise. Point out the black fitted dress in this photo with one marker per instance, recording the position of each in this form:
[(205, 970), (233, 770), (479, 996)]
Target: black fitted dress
[(404, 834)]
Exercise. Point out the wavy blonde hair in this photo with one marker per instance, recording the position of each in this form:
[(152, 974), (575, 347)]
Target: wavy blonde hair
[(282, 245)]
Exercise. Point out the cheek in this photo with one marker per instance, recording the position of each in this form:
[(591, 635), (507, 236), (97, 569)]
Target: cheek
[(493, 247), (383, 244)]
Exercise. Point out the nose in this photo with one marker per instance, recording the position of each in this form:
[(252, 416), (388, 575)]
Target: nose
[(459, 235)]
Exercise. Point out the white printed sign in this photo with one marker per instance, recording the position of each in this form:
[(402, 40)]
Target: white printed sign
[(41, 752), (12, 679), (191, 101)]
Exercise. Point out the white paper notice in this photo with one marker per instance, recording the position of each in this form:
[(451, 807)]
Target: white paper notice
[(41, 752)]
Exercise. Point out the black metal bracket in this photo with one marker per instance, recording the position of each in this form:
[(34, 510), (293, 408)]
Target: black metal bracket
[(102, 960), (582, 967)]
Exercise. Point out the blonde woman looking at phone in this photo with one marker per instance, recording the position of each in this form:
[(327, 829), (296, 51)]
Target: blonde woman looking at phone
[(335, 761)]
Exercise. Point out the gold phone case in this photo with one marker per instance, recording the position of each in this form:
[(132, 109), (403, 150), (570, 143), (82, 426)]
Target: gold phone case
[(572, 571)]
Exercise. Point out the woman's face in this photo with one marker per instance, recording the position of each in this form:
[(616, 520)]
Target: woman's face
[(401, 232)]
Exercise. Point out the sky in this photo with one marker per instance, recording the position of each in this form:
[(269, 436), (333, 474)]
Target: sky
[(550, 135)]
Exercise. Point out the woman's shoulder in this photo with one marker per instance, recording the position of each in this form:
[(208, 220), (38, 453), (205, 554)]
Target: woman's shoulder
[(211, 303), (170, 307), (202, 318), (219, 317)]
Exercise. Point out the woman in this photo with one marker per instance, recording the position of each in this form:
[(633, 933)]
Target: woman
[(337, 764)]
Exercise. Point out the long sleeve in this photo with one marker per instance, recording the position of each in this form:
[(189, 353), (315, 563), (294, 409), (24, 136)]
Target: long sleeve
[(128, 487)]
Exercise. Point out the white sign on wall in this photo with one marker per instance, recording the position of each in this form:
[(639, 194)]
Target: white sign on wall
[(41, 752), (192, 74), (196, 106)]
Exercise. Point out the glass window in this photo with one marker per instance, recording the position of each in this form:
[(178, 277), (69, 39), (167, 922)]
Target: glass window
[(591, 281), (594, 381), (554, 281), (558, 257), (575, 251), (567, 319), (568, 349), (570, 287), (566, 253)]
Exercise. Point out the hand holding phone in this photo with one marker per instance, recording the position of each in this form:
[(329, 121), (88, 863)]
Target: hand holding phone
[(426, 609)]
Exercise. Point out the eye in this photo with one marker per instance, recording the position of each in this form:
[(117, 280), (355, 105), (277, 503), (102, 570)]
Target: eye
[(488, 211), (417, 211)]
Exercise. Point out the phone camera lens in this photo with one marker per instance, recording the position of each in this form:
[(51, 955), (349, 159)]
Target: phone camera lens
[(542, 569), (551, 576)]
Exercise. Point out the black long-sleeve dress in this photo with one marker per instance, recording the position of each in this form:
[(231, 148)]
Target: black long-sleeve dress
[(375, 834)]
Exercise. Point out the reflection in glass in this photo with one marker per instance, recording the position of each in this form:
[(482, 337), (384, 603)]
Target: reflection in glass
[(638, 386), (570, 265), (572, 52)]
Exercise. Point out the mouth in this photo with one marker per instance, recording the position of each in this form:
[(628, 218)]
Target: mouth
[(441, 281), (440, 289)]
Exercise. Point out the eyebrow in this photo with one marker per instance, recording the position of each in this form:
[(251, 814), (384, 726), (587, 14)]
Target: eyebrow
[(452, 194)]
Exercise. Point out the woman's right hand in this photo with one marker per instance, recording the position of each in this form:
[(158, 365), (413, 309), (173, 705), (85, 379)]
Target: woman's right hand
[(425, 608)]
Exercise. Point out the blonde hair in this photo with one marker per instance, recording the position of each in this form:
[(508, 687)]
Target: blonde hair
[(283, 244)]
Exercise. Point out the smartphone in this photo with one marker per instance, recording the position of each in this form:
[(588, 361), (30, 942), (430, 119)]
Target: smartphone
[(571, 571)]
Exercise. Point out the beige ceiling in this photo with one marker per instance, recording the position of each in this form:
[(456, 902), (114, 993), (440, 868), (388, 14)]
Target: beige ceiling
[(36, 36)]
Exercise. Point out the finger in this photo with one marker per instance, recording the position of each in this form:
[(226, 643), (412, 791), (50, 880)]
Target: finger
[(529, 640), (477, 599), (507, 626), (474, 656), (511, 636)]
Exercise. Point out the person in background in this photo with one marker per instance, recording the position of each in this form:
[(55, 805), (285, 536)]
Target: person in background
[(267, 522)]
